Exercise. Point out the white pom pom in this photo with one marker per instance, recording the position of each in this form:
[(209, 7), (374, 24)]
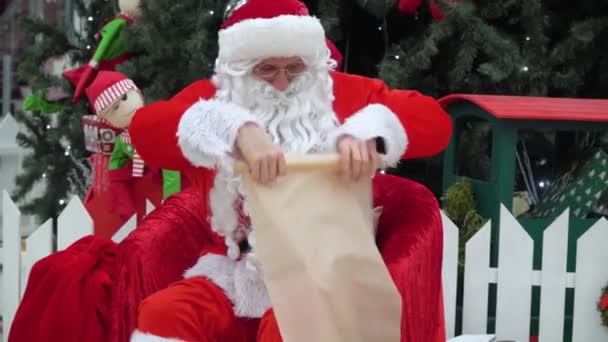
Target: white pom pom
[(251, 239), (252, 263), (233, 248)]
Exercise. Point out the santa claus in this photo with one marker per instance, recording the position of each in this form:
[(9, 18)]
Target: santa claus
[(274, 92)]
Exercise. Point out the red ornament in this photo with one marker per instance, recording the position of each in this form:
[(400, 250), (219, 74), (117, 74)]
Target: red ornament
[(436, 12), (604, 302), (409, 6)]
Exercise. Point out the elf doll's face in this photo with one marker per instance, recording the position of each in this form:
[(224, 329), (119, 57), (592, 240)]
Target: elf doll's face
[(120, 113), (130, 8)]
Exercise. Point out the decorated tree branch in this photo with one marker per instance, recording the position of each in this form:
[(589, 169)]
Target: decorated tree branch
[(57, 160)]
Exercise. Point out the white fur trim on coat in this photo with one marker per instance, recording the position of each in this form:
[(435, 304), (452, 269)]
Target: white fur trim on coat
[(282, 36), (225, 217), (140, 336), (208, 129), (243, 286), (373, 121)]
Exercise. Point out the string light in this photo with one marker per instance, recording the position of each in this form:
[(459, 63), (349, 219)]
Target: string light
[(379, 28), (90, 18), (382, 171), (61, 201), (44, 175), (48, 126), (67, 153), (525, 68), (397, 57), (528, 38), (211, 12)]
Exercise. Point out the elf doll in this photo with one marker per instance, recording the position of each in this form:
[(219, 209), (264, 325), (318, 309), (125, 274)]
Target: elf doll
[(115, 98), (111, 49)]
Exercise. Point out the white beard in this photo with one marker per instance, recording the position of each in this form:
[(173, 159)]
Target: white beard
[(299, 120)]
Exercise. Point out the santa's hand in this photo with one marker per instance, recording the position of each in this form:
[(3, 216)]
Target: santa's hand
[(357, 157), (264, 159)]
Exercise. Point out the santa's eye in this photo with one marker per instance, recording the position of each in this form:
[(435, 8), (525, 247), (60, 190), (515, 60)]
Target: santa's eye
[(295, 69), (268, 68), (124, 97)]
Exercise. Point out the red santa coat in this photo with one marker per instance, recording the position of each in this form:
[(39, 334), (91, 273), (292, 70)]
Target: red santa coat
[(193, 131), (154, 127)]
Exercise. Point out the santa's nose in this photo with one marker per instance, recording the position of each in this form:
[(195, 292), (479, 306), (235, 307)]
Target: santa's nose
[(280, 82)]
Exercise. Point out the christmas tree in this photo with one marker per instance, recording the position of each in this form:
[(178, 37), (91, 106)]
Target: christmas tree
[(486, 47), (171, 53), (579, 32), (435, 46), (53, 132), (528, 48)]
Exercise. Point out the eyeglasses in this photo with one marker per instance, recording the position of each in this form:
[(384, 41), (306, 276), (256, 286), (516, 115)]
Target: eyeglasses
[(269, 71)]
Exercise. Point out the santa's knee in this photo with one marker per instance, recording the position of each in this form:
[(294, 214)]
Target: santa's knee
[(193, 309), (163, 316), (159, 309)]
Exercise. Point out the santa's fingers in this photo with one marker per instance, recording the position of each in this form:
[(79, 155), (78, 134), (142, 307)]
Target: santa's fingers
[(273, 166), (374, 156), (345, 156), (254, 169), (265, 170), (360, 161)]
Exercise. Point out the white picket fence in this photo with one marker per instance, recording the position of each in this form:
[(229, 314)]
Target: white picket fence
[(514, 275), (514, 278)]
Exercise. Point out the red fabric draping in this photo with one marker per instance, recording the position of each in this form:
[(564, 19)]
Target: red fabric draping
[(68, 295), (410, 239), (100, 294), (163, 246)]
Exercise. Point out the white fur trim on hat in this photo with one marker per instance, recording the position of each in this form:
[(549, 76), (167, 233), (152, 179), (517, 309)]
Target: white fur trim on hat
[(113, 93), (282, 36), (373, 121)]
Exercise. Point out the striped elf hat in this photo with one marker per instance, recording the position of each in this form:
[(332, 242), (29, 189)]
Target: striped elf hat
[(108, 87)]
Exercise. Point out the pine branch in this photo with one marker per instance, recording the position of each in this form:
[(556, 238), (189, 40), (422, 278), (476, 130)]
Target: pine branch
[(47, 147)]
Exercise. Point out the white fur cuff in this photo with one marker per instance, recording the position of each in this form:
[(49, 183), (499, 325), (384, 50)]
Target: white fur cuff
[(243, 286), (140, 336), (208, 129), (376, 120)]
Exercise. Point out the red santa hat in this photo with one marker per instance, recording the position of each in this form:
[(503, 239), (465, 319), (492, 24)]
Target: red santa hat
[(271, 28), (107, 87)]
